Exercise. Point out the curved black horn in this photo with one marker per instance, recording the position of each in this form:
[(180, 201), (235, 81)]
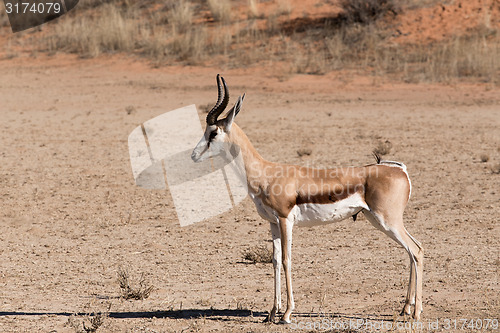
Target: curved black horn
[(222, 101)]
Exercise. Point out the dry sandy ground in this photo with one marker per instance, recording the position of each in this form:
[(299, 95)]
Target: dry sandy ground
[(71, 215)]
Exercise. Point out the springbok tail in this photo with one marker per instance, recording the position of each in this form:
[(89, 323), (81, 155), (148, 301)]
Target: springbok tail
[(381, 161)]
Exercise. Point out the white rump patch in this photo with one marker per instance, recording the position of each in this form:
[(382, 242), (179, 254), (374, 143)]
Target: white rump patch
[(312, 214), (402, 166)]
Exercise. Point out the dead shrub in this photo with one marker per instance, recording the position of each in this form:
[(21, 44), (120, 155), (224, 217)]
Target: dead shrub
[(138, 291), (90, 322), (95, 322), (367, 11), (258, 254)]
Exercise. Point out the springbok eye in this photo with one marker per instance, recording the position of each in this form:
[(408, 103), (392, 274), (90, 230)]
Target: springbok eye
[(212, 136)]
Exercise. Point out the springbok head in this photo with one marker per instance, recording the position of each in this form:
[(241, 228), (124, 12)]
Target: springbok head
[(215, 140)]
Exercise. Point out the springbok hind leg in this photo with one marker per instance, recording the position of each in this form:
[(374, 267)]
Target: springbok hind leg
[(410, 296), (394, 228), (414, 284)]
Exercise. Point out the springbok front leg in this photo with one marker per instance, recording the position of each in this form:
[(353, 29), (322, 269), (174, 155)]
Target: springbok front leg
[(286, 249), (275, 231)]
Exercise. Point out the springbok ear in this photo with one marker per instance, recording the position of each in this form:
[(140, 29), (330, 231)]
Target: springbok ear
[(233, 112)]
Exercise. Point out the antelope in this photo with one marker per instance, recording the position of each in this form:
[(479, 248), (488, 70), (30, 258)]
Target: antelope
[(290, 195)]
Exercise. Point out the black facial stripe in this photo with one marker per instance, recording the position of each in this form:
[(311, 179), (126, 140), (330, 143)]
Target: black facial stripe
[(211, 137)]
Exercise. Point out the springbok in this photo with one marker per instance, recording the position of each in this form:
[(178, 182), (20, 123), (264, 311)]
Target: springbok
[(288, 195)]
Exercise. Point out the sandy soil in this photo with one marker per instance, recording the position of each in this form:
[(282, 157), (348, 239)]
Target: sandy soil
[(71, 214)]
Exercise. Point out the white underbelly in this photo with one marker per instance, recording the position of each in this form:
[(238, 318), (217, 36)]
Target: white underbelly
[(312, 214)]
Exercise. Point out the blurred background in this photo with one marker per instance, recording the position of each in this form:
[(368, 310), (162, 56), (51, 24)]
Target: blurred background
[(408, 40)]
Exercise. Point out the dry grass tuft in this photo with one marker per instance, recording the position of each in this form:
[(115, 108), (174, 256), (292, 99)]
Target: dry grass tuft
[(180, 16), (221, 10), (139, 291), (191, 46), (258, 254), (95, 322), (91, 36), (383, 148), (90, 323), (476, 55)]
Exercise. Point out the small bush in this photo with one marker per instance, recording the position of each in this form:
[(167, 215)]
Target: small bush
[(95, 322), (90, 322), (259, 254), (367, 11), (140, 291)]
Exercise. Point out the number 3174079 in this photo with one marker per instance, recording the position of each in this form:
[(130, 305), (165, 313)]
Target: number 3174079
[(32, 7)]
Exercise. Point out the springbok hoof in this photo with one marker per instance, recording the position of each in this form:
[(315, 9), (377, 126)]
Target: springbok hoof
[(404, 312)]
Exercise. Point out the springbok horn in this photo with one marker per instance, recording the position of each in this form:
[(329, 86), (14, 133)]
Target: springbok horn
[(222, 101)]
